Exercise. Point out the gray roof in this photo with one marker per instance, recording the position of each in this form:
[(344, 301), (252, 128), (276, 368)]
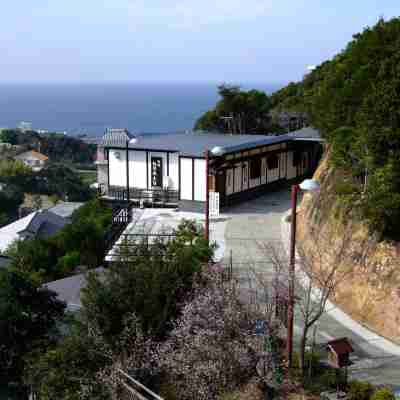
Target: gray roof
[(4, 261), (45, 223), (69, 289), (65, 210), (195, 143)]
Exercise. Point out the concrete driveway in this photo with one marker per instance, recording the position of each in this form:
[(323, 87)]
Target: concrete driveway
[(256, 222)]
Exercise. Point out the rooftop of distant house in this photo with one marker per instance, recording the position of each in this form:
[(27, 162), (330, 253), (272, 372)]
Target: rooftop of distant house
[(194, 144), (65, 209), (69, 289), (34, 154), (38, 224)]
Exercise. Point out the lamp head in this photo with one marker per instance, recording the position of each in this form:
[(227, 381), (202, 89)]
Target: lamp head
[(133, 140), (217, 151), (310, 185)]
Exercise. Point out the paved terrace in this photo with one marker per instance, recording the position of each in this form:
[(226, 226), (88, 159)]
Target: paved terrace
[(153, 221)]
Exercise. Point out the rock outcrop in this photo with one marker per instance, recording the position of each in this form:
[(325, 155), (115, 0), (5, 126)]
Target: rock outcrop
[(371, 293)]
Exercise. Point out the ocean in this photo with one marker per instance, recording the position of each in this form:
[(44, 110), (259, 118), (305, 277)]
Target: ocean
[(91, 108)]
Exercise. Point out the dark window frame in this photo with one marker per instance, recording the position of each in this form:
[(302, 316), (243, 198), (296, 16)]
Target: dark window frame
[(255, 168), (296, 158), (272, 162)]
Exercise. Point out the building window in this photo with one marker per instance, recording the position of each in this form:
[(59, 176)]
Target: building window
[(255, 168), (273, 161)]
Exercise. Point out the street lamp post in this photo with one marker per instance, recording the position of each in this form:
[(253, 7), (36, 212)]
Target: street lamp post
[(207, 208), (312, 186)]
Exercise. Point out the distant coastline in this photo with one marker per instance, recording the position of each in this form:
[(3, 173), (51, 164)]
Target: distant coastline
[(91, 108)]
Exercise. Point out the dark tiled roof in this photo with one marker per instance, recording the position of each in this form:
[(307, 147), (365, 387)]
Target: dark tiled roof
[(116, 137), (45, 223)]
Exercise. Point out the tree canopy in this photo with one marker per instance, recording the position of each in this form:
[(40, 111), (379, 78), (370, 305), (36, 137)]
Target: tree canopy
[(27, 313), (126, 306), (238, 111)]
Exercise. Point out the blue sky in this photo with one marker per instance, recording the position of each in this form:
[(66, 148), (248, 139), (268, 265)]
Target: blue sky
[(177, 40)]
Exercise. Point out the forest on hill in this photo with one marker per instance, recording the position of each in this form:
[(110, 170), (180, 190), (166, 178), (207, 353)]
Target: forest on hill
[(354, 99)]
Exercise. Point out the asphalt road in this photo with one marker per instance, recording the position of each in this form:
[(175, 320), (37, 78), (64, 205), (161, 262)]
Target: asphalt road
[(248, 229)]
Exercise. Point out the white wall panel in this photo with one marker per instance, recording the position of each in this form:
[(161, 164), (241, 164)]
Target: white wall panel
[(174, 170), (229, 181), (238, 178), (137, 169), (117, 167), (273, 175), (200, 180), (263, 171), (186, 178)]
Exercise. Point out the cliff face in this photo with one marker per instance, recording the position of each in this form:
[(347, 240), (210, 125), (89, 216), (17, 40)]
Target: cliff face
[(371, 292)]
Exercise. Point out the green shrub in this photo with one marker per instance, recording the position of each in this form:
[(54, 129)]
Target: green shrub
[(68, 263), (359, 390), (383, 394), (346, 188)]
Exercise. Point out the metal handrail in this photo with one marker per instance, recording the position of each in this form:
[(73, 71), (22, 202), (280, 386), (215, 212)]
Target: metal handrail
[(137, 384)]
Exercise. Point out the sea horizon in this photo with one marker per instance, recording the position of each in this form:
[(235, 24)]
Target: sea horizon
[(90, 108)]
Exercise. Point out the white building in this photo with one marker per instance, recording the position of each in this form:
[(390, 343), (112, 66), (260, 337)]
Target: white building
[(170, 168), (33, 159)]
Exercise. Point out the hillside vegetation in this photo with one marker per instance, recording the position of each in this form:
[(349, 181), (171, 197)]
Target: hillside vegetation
[(354, 99), (58, 147)]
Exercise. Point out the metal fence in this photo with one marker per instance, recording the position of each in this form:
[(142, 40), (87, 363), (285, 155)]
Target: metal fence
[(130, 246), (159, 197), (121, 218)]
